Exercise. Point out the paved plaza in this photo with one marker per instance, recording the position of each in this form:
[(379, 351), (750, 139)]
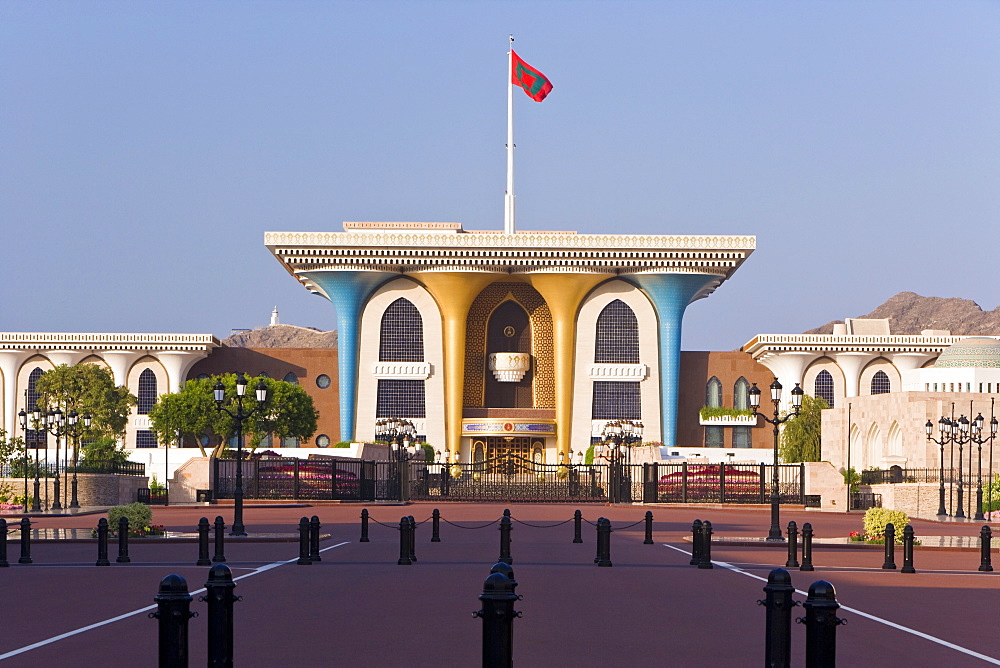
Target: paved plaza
[(358, 607)]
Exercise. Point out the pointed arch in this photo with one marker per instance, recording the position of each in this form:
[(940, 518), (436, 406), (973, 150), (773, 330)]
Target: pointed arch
[(146, 396), (823, 387), (880, 383), (617, 339), (401, 335), (894, 441), (713, 392)]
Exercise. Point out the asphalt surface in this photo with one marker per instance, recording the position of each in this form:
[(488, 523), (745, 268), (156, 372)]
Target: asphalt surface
[(358, 607)]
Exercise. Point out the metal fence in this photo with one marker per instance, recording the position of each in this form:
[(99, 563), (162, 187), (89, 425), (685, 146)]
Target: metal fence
[(16, 469), (306, 479), (721, 483), (896, 474)]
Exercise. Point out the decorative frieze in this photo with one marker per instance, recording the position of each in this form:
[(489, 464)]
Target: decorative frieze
[(618, 372), (402, 370)]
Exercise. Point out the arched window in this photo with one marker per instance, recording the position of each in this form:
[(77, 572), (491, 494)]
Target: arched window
[(402, 335), (33, 377), (741, 394), (823, 387), (147, 393), (617, 335), (291, 378), (880, 383), (713, 393)]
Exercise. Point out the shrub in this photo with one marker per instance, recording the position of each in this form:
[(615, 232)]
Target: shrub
[(877, 518), (139, 515)]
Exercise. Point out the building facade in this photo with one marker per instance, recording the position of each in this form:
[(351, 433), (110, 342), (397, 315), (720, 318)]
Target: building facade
[(527, 342)]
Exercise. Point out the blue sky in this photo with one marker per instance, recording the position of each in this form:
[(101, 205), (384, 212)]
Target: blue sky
[(146, 147)]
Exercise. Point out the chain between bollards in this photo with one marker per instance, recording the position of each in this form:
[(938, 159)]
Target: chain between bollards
[(821, 625), (173, 610), (649, 528), (604, 543), (577, 525), (436, 526), (890, 548), (706, 545), (778, 624), (203, 559), (304, 559), (123, 557), (220, 540), (25, 541), (807, 548), (364, 526), (404, 542), (985, 540), (793, 546), (102, 543), (505, 529), (498, 615), (220, 599), (695, 543)]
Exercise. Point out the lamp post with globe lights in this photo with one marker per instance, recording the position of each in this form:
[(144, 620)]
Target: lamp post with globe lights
[(400, 435), (977, 438), (240, 415), (617, 439), (944, 426), (774, 533)]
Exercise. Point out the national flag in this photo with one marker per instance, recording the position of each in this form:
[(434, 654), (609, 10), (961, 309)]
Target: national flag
[(534, 83)]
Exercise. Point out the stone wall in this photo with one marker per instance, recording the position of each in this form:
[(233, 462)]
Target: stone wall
[(916, 499), (824, 480), (93, 489)]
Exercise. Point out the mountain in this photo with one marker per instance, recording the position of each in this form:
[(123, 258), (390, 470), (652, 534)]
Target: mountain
[(909, 313), (282, 336)]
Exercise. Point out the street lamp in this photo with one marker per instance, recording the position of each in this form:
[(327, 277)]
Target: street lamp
[(977, 438), (944, 425), (240, 416), (617, 439), (400, 435), (774, 533), (62, 426), (37, 427), (960, 435)]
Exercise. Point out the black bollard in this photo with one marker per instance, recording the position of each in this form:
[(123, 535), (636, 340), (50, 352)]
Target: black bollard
[(501, 567), (506, 512), (498, 616), (220, 540), (436, 526), (404, 542), (173, 609), (220, 599), (778, 625), (890, 548), (364, 526), (985, 540), (123, 557), (793, 546), (695, 543), (102, 542), (3, 543), (25, 541), (821, 625), (203, 559), (505, 528), (706, 545), (907, 550), (807, 548), (649, 528), (413, 538), (604, 542), (577, 526), (304, 559), (314, 527)]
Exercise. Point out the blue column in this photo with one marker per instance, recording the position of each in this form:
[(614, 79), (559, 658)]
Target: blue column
[(670, 294), (348, 291)]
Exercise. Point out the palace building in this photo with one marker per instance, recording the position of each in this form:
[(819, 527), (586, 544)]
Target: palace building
[(490, 342)]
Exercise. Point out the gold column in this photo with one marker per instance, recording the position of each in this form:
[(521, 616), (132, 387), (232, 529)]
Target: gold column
[(564, 294), (454, 293)]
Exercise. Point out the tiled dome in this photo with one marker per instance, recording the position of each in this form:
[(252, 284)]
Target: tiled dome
[(976, 351)]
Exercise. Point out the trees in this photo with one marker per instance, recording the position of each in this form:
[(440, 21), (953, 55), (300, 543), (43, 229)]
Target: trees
[(800, 439), (87, 388), (192, 412)]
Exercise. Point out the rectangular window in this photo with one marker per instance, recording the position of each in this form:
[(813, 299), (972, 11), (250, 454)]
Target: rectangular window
[(715, 437), (615, 400), (400, 398), (144, 438), (742, 437)]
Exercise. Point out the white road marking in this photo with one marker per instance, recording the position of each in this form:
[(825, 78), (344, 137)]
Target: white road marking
[(905, 629)]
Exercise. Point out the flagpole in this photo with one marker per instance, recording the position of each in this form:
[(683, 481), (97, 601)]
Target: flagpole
[(508, 200)]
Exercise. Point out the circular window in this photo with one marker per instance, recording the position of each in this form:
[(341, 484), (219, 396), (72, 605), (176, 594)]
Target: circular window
[(323, 441), (323, 381)]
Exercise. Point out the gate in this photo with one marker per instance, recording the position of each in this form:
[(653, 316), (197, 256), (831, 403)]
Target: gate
[(306, 479), (507, 477)]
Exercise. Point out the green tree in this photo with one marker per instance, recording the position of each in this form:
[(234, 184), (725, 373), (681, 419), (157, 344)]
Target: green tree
[(87, 388), (288, 413), (800, 438)]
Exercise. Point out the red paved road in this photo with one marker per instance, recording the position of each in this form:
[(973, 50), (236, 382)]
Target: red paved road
[(357, 607)]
